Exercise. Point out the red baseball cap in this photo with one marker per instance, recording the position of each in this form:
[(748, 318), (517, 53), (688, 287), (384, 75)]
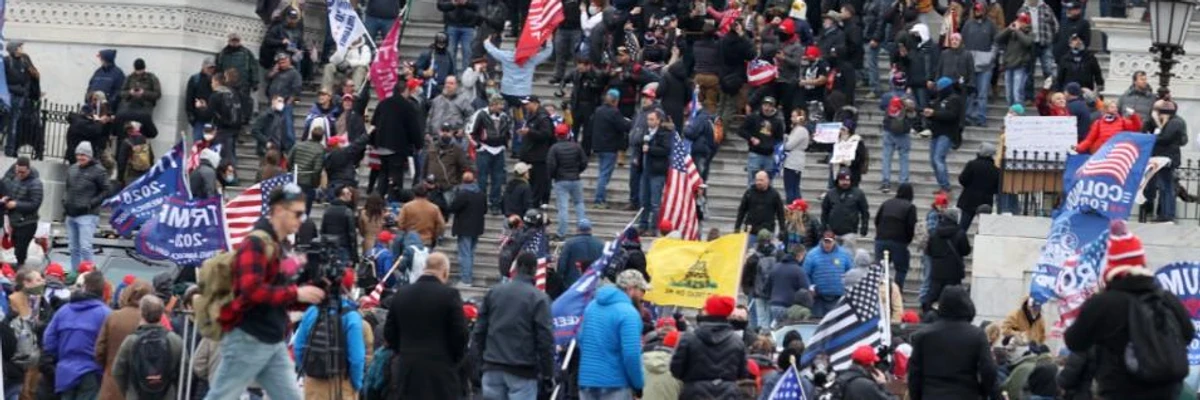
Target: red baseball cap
[(865, 355)]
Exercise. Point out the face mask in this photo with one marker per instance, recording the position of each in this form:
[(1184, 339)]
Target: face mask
[(739, 324), (208, 137), (37, 291), (445, 139), (277, 106), (230, 179)]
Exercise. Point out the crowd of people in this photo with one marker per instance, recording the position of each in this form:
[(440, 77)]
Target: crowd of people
[(641, 77)]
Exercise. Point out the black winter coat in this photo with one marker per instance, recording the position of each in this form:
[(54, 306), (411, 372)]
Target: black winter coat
[(513, 332), (537, 141), (339, 221), (706, 56), (1103, 324), (959, 65), (946, 249), (1081, 68), (859, 385), (736, 51), (469, 209), (760, 210), (566, 161), (460, 15), (608, 129), (433, 352), (968, 372), (674, 92), (398, 126), (833, 40), (1172, 137), (980, 180), (658, 158), (1077, 375), (518, 197), (710, 361), (752, 127), (918, 65), (948, 113), (896, 220), (845, 210)]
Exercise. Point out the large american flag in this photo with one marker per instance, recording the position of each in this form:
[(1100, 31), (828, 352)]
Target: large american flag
[(538, 245), (854, 322), (244, 210), (679, 194), (789, 387), (1116, 163), (544, 17)]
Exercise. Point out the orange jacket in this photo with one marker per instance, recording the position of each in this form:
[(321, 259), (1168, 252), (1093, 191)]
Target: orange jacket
[(1102, 130)]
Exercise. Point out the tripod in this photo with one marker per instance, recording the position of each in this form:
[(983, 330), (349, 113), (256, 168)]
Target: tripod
[(333, 331)]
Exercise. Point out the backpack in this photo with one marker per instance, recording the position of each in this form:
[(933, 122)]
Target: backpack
[(139, 156), (1157, 351), (152, 364), (233, 109), (766, 264), (28, 350), (365, 274), (837, 391), (417, 254), (215, 281), (323, 350), (510, 249)]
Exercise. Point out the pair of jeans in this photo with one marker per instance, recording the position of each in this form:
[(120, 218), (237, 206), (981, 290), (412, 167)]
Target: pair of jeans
[(937, 158), (500, 385), (778, 314), (16, 108), (921, 96), (88, 388), (289, 130), (80, 231), (460, 42), (977, 107), (608, 162), (491, 176), (895, 142), (1014, 81), (245, 359), (758, 162), (791, 184), (652, 187), (565, 42), (466, 258), (567, 193), (22, 236), (823, 304), (1164, 181), (605, 394), (926, 267), (873, 67), (762, 313), (635, 184), (897, 255), (378, 27)]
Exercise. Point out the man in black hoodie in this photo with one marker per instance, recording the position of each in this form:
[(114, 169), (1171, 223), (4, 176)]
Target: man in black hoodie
[(895, 224), (980, 180), (945, 115), (338, 223), (762, 130), (761, 207), (397, 120), (946, 249), (536, 137), (1103, 321), (711, 359), (967, 372)]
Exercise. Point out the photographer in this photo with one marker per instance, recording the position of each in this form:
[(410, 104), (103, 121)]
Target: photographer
[(253, 347), (339, 224), (333, 360)]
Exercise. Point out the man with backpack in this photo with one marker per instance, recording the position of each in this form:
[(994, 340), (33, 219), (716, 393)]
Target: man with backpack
[(513, 338), (862, 381), (70, 341), (147, 366), (253, 323), (1133, 319), (134, 156), (759, 267), (227, 112), (332, 353)]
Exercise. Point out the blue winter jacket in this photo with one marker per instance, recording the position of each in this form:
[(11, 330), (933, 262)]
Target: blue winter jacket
[(382, 254), (108, 79), (610, 342), (825, 269), (352, 330), (583, 248), (517, 79), (71, 339)]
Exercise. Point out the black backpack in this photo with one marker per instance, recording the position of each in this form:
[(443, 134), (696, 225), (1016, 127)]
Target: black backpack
[(837, 391), (152, 364), (1157, 351), (323, 351)]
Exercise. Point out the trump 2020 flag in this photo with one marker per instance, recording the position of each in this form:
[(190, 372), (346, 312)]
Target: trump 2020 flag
[(143, 198), (383, 70), (344, 25), (1062, 270), (184, 231), (852, 323), (544, 17), (1109, 180), (567, 310), (1181, 279)]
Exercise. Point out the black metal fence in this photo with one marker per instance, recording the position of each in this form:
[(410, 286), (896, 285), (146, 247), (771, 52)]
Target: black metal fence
[(41, 129), (1031, 183)]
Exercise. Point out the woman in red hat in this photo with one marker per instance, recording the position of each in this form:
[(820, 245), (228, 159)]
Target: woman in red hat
[(802, 228)]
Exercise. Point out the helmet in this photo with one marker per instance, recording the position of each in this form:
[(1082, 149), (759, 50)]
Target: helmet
[(440, 39), (535, 218)]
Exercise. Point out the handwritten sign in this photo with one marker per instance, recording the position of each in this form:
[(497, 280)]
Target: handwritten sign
[(1041, 135), (844, 151), (827, 132), (1183, 280)]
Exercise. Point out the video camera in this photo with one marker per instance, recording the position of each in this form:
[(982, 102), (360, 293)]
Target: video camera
[(319, 270)]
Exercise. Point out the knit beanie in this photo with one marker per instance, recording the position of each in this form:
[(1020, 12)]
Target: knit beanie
[(719, 306), (85, 148), (1125, 253)]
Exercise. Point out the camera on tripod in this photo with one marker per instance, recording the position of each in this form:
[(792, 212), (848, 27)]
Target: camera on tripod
[(319, 270)]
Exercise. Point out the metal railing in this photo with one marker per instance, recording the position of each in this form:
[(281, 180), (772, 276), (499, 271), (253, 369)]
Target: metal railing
[(1031, 183), (41, 129)]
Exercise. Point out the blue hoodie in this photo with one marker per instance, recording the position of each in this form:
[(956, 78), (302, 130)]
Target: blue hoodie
[(108, 79), (352, 330), (610, 342), (71, 338), (825, 269)]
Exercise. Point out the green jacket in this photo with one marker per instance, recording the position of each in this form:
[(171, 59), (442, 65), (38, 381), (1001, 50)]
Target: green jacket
[(151, 91), (656, 367), (308, 158), (241, 59), (1020, 374)]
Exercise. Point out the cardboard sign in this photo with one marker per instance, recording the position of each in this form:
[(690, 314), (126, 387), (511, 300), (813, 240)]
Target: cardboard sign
[(1027, 137), (827, 132)]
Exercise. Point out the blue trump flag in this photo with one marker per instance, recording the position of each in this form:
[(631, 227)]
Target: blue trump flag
[(1183, 280), (186, 232), (143, 198), (1108, 181), (1070, 233), (567, 310)]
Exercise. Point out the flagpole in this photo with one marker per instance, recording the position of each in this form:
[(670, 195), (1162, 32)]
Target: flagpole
[(887, 298)]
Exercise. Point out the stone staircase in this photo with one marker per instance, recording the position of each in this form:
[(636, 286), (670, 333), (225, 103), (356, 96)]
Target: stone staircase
[(727, 180)]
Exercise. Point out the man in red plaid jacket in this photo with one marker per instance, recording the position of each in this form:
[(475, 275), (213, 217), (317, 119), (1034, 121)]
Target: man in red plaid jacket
[(254, 346)]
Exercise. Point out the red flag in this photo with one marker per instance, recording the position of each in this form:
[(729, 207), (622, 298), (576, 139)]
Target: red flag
[(383, 70), (543, 19)]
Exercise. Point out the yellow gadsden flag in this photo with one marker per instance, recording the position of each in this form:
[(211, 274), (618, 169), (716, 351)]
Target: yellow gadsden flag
[(685, 273)]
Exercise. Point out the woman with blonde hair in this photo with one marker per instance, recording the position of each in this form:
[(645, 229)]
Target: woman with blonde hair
[(802, 228)]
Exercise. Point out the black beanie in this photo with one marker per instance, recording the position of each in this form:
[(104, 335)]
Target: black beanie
[(139, 65)]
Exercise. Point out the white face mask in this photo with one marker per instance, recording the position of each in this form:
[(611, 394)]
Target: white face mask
[(277, 106)]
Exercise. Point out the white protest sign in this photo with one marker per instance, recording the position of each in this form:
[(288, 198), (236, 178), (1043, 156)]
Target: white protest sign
[(345, 27), (1038, 135), (844, 151), (827, 132)]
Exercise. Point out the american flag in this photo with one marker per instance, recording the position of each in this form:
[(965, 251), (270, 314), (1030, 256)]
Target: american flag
[(244, 210), (537, 244), (852, 323), (1086, 266), (1115, 163), (544, 17), (193, 159), (789, 387), (679, 196)]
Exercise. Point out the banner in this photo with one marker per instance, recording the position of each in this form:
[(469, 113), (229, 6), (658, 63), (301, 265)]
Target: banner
[(186, 232), (344, 25), (544, 17), (686, 273), (1183, 279), (387, 60), (141, 199), (1108, 181), (1068, 270), (1037, 136), (567, 309), (827, 132)]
